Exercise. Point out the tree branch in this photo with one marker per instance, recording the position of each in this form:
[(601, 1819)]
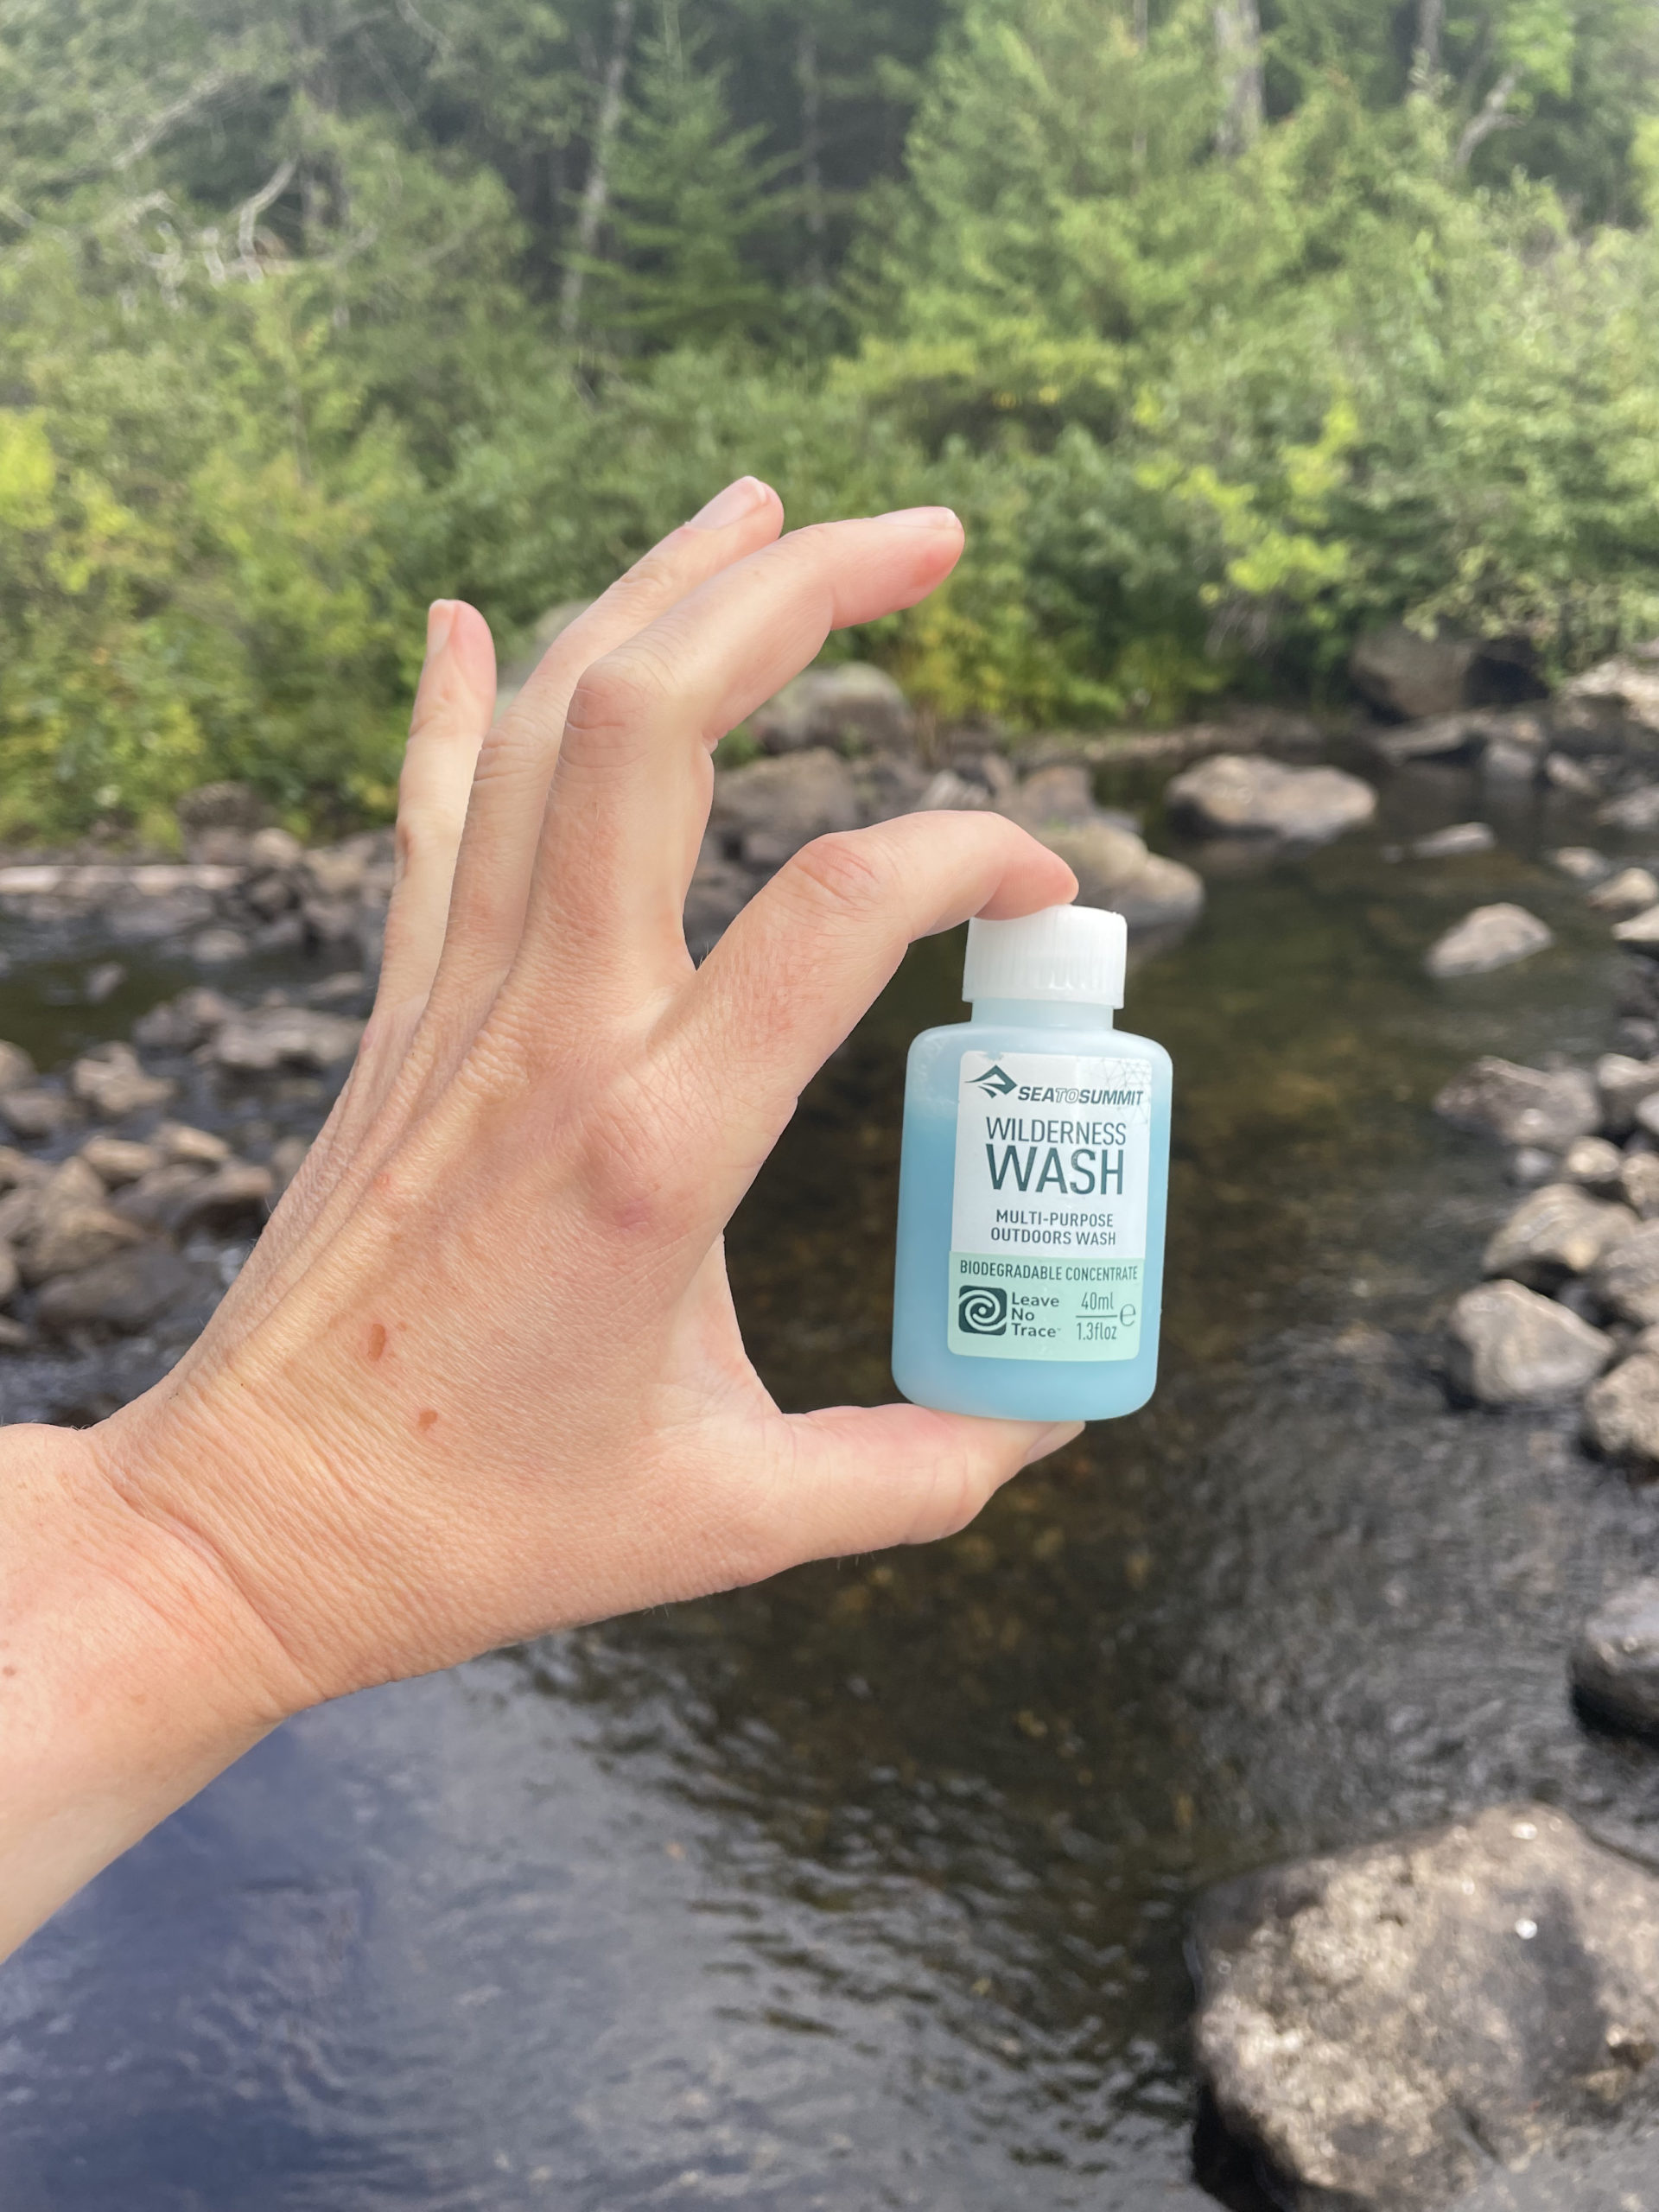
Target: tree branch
[(275, 185), (1493, 114), (1426, 55), (596, 191)]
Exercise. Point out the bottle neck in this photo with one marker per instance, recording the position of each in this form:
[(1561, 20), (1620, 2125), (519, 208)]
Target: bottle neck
[(1042, 1014)]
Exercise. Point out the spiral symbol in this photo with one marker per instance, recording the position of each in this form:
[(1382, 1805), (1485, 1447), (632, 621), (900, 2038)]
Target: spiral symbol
[(981, 1311)]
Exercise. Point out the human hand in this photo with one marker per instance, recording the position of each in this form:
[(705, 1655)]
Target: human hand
[(482, 1376)]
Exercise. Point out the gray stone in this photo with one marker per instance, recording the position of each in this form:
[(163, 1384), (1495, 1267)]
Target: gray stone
[(852, 709), (1386, 2027), (331, 921), (158, 1199), (766, 812), (116, 1160), (235, 1196), (1509, 1347), (11, 1275), (1238, 795), (71, 1226), (1505, 762), (1581, 863), (1616, 699), (1114, 870), (1614, 1669), (1530, 1167), (275, 848), (1449, 737), (125, 1293), (18, 1170), (1638, 1183), (1621, 1413), (338, 871), (17, 1069), (1626, 1278), (179, 1142), (214, 948), (1410, 676), (1632, 891), (1449, 844), (37, 1113), (1636, 810), (180, 1024), (110, 1081), (1595, 1164), (1640, 931), (269, 1037), (155, 920), (1559, 1231), (1521, 1105), (1487, 939), (1621, 1084), (1563, 773), (103, 980), (1054, 798)]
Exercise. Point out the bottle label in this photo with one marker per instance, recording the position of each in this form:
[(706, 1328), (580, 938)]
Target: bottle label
[(1048, 1230)]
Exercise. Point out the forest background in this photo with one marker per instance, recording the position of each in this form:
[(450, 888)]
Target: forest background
[(1230, 326)]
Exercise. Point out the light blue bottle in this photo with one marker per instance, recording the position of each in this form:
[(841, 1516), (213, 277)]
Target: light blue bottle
[(1033, 1184)]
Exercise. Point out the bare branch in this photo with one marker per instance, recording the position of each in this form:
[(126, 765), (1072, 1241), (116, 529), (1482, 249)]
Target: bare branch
[(200, 95), (1493, 114), (1426, 55), (596, 191), (273, 187)]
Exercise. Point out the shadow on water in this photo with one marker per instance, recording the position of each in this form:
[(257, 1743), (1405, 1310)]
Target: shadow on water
[(868, 1887)]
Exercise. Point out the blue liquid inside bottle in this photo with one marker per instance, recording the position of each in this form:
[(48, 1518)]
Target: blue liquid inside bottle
[(1032, 1194)]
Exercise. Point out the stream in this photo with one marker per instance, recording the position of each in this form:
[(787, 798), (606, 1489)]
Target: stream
[(867, 1888)]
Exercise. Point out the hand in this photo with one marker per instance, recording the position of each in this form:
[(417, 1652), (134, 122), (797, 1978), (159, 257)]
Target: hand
[(482, 1376)]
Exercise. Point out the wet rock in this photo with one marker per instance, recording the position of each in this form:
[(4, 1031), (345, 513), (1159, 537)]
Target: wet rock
[(269, 1037), (235, 1196), (1459, 838), (37, 1113), (338, 871), (116, 1160), (341, 989), (179, 1142), (1640, 931), (1510, 1347), (764, 813), (111, 1083), (1166, 895), (1626, 1278), (20, 1170), (1563, 773), (1385, 2025), (1621, 1413), (1638, 1183), (17, 1069), (1636, 810), (1632, 891), (214, 948), (179, 1025), (331, 921), (124, 1293), (1504, 761), (71, 1226), (270, 895), (1580, 863), (1614, 1669), (1614, 698), (1596, 1165), (275, 848), (1489, 937), (852, 709), (1055, 797), (159, 1199), (1411, 678), (103, 980), (1621, 1084), (1522, 1105), (1530, 1167), (1236, 795), (285, 934), (1559, 1231)]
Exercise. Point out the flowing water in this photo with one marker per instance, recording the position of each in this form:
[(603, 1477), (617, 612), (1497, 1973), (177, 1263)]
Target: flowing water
[(867, 1888)]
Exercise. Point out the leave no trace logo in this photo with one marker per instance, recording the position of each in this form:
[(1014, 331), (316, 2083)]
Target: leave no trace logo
[(981, 1311), (996, 1082)]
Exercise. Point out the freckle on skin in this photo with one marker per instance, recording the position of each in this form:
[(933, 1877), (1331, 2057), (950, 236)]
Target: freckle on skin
[(377, 1340), (8, 1672), (425, 1419)]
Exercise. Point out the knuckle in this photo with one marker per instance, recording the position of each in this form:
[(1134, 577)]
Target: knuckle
[(844, 872), (637, 1185), (617, 692)]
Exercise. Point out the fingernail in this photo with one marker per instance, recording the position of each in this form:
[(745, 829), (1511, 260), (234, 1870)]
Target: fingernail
[(922, 517), (1051, 1440), (440, 621), (730, 505)]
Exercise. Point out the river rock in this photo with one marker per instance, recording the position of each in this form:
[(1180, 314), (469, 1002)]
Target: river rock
[(1626, 1278), (1580, 863), (1384, 2025), (1450, 843), (17, 1069), (71, 1225), (1632, 891), (1621, 1412), (1636, 810), (766, 812), (1559, 1231), (1641, 931), (1616, 698), (1596, 1165), (116, 1160), (179, 1025), (40, 1112), (1489, 937), (1411, 678), (110, 1080), (1638, 1184), (1238, 795), (178, 1141), (274, 848), (1509, 1347), (1530, 1167), (1506, 761), (1621, 1084), (21, 1168), (269, 1037), (157, 1200), (217, 947), (1614, 1669), (126, 1291), (11, 1275), (235, 1196), (1522, 1105), (853, 708)]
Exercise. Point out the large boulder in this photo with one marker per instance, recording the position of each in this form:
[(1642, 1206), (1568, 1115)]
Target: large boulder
[(1489, 937), (1621, 1413), (1409, 676), (1622, 1084), (124, 1293), (1234, 794), (1508, 1346), (851, 709), (1614, 1669), (1385, 2025), (1625, 1279), (767, 812), (1616, 702), (1560, 1231), (1520, 1105), (273, 1037)]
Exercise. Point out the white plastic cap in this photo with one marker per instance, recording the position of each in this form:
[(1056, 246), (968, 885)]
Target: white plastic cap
[(1074, 954)]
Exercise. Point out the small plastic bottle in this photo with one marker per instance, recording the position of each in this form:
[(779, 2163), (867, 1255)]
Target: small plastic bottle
[(1033, 1184)]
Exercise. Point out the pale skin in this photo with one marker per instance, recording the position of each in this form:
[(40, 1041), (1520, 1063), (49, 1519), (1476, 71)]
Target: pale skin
[(482, 1377)]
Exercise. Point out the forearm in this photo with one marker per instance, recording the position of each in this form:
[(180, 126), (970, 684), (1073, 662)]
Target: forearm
[(128, 1678)]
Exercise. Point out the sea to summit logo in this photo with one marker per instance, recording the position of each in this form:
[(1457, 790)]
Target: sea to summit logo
[(995, 1083)]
